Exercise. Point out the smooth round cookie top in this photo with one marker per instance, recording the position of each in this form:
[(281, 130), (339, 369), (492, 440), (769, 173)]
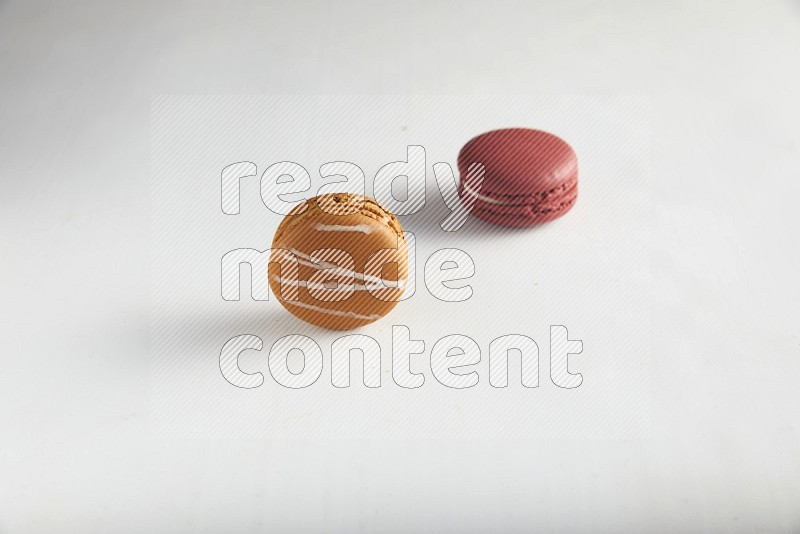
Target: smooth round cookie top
[(339, 261), (520, 162)]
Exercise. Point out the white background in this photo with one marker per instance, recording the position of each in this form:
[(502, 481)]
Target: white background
[(78, 451), (589, 271)]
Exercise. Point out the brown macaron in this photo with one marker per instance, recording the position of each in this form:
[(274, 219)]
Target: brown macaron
[(339, 261)]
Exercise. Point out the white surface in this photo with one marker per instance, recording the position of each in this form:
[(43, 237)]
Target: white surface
[(588, 271), (78, 452)]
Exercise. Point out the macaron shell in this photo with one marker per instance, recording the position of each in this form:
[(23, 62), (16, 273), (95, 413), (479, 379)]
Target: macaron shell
[(335, 319), (363, 229)]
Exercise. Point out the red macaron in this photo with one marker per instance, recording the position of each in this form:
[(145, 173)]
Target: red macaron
[(530, 176)]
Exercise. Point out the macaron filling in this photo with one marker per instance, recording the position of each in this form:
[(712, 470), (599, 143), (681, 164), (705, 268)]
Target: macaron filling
[(524, 209)]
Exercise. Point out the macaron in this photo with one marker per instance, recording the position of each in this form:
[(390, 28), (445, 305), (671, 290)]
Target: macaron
[(339, 261), (530, 176)]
